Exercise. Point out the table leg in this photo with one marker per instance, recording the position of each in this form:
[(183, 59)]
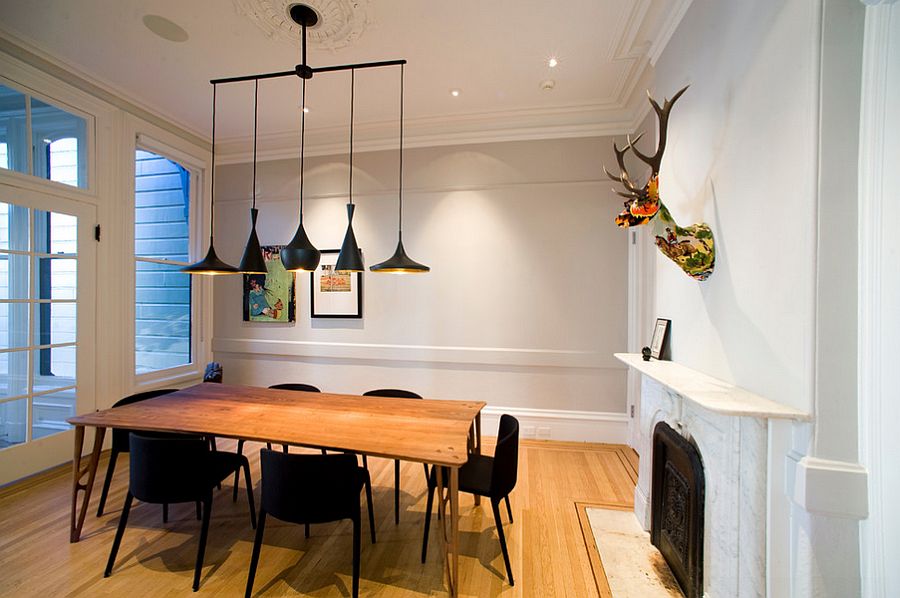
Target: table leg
[(454, 531), (475, 444), (78, 472)]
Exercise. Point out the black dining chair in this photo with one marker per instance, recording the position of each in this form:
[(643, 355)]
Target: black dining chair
[(285, 386), (120, 443), (311, 489), (397, 394), (491, 477), (173, 468)]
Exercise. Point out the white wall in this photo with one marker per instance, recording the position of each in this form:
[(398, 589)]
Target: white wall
[(524, 305), (763, 147)]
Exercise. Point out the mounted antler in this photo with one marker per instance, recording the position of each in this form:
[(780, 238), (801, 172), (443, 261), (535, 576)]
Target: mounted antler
[(692, 248)]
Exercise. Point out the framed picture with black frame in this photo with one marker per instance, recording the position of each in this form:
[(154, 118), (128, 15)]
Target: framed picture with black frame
[(334, 294), (659, 346)]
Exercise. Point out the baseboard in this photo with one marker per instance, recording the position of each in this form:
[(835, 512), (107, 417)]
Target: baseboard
[(553, 424)]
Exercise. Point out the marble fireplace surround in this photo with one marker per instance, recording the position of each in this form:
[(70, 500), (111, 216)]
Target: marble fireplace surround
[(729, 425)]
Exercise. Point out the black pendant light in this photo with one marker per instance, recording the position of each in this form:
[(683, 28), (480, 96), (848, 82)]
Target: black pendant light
[(300, 253), (400, 262), (211, 265), (253, 261), (350, 257)]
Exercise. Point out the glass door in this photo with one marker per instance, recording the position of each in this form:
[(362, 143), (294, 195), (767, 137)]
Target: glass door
[(47, 287)]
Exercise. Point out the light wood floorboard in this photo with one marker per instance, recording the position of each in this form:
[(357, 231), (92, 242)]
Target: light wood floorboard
[(546, 543)]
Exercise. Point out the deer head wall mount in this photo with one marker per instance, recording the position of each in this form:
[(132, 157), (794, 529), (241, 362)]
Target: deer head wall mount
[(692, 248)]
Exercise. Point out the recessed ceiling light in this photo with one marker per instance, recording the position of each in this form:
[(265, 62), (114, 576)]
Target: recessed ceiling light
[(552, 62), (548, 84), (165, 28), (306, 109), (455, 93)]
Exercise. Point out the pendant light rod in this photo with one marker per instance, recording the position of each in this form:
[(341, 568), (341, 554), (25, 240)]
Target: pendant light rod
[(255, 128), (400, 180), (352, 94), (212, 174), (321, 69), (302, 141)]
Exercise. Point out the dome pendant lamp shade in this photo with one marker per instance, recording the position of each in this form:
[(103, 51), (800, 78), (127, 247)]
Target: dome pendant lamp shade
[(400, 262), (300, 254), (350, 257), (211, 264), (253, 262)]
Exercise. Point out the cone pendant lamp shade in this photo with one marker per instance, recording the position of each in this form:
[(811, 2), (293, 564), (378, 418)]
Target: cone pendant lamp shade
[(253, 262), (400, 263), (350, 258), (211, 264)]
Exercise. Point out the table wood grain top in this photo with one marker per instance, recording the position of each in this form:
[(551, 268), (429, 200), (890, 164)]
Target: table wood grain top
[(429, 431)]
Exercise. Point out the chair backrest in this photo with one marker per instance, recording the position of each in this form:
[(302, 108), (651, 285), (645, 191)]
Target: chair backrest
[(168, 468), (213, 372), (295, 386), (506, 457), (120, 437), (393, 393), (309, 488)]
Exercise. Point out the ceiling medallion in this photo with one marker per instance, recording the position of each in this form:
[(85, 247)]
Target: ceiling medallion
[(341, 22)]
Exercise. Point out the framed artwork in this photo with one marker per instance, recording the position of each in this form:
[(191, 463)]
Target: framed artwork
[(270, 297), (660, 344), (334, 294)]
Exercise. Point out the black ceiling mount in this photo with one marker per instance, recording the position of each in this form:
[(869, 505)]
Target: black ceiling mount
[(303, 15), (307, 17)]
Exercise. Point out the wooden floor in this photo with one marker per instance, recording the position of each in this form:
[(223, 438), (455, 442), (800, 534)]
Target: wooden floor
[(546, 543)]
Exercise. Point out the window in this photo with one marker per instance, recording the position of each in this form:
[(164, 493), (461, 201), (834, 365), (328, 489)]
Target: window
[(57, 149), (161, 247), (38, 344)]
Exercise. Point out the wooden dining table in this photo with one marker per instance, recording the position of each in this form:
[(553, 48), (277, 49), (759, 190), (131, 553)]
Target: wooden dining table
[(438, 432)]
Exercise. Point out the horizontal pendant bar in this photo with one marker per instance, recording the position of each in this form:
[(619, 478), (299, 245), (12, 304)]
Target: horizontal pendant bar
[(321, 69)]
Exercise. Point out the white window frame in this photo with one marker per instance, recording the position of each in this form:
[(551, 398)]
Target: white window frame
[(27, 179), (145, 136)]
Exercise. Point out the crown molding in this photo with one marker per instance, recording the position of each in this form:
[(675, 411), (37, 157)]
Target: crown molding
[(670, 24), (28, 52)]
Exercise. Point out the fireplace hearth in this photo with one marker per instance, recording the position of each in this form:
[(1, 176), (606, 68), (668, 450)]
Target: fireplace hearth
[(677, 504)]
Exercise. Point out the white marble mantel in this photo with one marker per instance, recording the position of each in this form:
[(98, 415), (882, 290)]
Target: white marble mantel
[(729, 426), (710, 393)]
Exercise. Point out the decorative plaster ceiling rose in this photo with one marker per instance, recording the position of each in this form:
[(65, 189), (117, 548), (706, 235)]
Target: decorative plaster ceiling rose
[(341, 22)]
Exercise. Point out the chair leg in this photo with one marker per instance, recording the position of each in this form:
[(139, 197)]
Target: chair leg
[(396, 491), (204, 532), (425, 466), (199, 512), (508, 508), (284, 448), (165, 512), (269, 445), (356, 543), (306, 530), (120, 531), (113, 456), (495, 505), (237, 472), (246, 466), (369, 505), (428, 508), (257, 545), (365, 462)]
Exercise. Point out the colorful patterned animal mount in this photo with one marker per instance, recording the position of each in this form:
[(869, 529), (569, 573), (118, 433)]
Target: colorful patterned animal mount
[(692, 248)]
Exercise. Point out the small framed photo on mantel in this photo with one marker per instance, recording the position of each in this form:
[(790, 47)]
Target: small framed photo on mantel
[(659, 346), (334, 294)]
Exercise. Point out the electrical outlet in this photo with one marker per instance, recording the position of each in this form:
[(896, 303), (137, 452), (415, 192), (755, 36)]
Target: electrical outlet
[(543, 432), (528, 431)]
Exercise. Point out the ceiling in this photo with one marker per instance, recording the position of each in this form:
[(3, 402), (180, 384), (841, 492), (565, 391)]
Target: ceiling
[(494, 52)]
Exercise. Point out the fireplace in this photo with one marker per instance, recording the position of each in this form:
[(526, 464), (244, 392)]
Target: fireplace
[(677, 503)]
